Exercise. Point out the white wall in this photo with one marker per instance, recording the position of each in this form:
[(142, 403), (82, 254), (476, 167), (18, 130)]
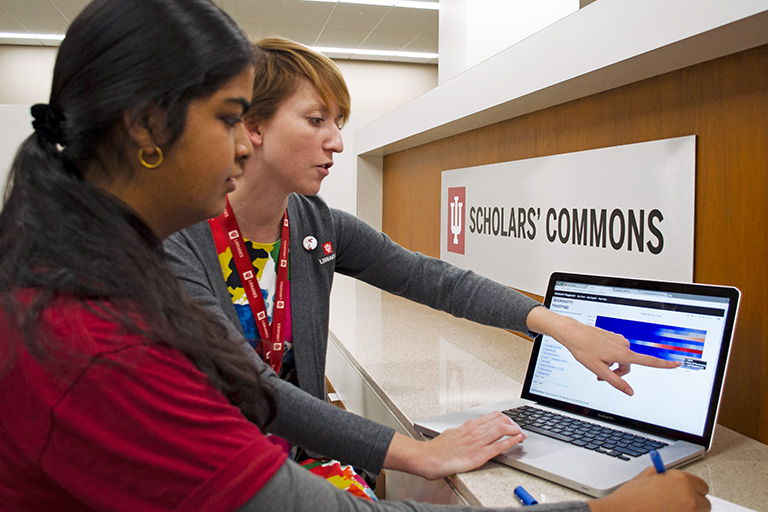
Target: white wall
[(27, 72), (473, 30), (15, 126), (376, 87)]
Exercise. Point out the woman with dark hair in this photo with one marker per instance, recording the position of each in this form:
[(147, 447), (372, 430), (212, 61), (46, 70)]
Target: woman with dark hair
[(143, 133), (115, 392)]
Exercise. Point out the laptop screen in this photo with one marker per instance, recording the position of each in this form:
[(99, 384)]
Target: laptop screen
[(685, 322)]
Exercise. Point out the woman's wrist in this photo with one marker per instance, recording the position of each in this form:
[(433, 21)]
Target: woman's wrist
[(543, 321), (409, 455)]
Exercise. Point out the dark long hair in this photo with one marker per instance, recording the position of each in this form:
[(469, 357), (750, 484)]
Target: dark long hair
[(59, 234)]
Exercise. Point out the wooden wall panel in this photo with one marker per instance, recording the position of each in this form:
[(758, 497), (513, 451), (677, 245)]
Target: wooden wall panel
[(725, 104)]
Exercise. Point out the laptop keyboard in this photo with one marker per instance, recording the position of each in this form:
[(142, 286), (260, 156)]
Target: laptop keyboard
[(611, 442)]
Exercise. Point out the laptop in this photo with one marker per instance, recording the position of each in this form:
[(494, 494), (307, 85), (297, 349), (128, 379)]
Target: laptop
[(673, 410)]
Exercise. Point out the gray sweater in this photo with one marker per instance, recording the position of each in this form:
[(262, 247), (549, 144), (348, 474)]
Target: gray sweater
[(294, 489), (358, 251)]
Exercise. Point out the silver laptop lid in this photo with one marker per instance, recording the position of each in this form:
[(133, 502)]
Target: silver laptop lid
[(687, 322)]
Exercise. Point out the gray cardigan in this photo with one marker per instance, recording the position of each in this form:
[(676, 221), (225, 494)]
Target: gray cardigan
[(293, 489), (358, 251)]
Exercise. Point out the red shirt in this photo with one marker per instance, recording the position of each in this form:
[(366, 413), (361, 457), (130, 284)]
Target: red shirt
[(125, 424)]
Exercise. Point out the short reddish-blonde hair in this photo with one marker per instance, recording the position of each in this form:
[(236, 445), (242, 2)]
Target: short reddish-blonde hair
[(280, 63)]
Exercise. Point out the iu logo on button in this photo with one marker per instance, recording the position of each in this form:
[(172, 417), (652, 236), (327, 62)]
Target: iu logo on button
[(456, 216)]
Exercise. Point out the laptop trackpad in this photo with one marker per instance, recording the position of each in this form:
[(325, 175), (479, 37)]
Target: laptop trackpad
[(533, 448), (594, 473)]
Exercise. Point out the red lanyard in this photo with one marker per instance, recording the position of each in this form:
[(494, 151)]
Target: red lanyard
[(272, 339)]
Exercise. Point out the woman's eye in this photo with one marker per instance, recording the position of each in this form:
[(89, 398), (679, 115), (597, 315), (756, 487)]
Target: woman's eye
[(232, 120), (316, 121)]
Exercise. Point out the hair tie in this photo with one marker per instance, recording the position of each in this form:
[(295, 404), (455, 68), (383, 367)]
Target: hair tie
[(49, 122)]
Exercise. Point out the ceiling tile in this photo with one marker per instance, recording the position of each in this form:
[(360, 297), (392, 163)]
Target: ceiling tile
[(226, 5), (431, 28), (262, 12), (341, 38), (255, 31), (304, 35), (303, 14), (43, 23), (387, 40), (407, 20), (9, 24), (357, 17), (38, 6), (423, 43), (70, 8)]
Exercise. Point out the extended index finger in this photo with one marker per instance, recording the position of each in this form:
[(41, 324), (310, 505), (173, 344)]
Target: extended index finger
[(653, 362)]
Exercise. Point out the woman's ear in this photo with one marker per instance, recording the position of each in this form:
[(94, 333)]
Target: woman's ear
[(254, 134), (147, 128)]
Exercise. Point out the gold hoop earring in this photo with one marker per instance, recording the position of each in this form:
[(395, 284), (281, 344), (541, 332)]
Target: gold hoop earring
[(156, 164)]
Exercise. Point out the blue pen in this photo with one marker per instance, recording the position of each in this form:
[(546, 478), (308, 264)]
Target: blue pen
[(524, 496), (657, 462)]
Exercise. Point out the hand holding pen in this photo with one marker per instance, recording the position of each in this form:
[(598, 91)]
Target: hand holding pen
[(656, 489), (526, 498)]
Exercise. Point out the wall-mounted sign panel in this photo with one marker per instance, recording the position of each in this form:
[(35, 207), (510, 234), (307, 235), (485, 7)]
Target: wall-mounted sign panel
[(624, 211)]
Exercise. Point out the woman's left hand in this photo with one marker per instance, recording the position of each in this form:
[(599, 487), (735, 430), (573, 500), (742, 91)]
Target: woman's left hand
[(456, 450)]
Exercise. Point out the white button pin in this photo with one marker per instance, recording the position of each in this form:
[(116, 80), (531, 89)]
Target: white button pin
[(310, 243)]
